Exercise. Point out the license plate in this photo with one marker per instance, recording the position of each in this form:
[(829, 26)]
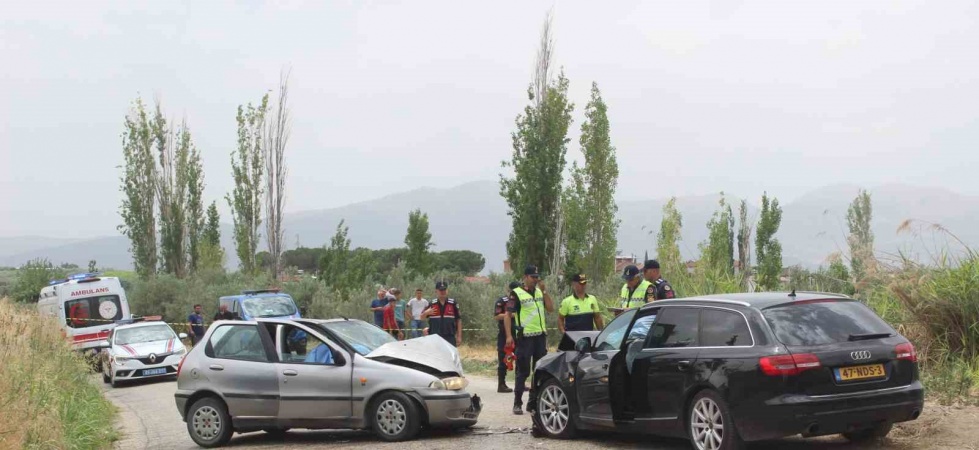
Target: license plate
[(160, 371), (867, 372)]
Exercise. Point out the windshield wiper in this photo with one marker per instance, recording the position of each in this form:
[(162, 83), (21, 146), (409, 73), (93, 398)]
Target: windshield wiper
[(868, 336)]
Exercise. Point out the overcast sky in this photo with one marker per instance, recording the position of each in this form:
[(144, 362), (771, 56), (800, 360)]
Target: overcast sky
[(388, 96)]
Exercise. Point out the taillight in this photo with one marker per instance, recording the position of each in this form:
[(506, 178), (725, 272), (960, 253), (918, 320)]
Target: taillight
[(181, 365), (788, 364), (906, 352)]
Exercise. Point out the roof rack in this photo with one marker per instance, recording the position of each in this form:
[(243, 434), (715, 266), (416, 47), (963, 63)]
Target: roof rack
[(261, 291), (831, 294)]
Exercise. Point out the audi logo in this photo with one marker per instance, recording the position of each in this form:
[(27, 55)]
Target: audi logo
[(153, 357), (860, 355)]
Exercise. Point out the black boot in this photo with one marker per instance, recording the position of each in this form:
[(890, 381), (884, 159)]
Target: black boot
[(503, 388)]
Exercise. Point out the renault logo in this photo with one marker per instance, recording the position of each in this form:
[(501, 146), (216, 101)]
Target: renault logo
[(860, 355), (153, 358)]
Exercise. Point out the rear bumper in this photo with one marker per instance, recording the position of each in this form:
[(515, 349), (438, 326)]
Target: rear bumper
[(455, 410), (789, 415)]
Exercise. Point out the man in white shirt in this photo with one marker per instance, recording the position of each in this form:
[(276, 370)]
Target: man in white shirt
[(417, 306)]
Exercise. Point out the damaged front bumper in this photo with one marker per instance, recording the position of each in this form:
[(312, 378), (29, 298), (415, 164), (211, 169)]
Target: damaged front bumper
[(452, 409)]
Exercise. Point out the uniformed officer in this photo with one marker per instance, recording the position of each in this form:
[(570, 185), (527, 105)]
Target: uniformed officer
[(579, 311), (660, 288), (499, 313), (636, 291), (531, 334), (443, 316)]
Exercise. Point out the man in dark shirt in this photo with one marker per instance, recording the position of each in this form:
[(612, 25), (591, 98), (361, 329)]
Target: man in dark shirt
[(443, 316), (196, 320), (499, 313), (377, 305), (224, 314)]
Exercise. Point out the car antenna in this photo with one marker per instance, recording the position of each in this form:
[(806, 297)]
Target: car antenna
[(344, 318), (792, 294)]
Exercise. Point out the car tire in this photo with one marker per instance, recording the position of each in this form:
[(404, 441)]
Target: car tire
[(869, 435), (394, 417), (710, 425), (105, 374), (553, 415), (208, 423), (113, 382), (276, 433)]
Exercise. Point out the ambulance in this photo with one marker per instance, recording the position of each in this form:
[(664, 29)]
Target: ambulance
[(87, 306)]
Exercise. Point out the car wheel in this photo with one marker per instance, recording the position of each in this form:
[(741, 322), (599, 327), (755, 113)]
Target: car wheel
[(277, 433), (394, 417), (113, 382), (710, 425), (208, 423), (553, 415), (868, 435), (105, 374)]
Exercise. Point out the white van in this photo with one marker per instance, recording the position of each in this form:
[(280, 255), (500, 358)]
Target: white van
[(87, 307)]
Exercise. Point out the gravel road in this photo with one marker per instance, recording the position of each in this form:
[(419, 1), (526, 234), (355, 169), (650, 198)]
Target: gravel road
[(148, 419)]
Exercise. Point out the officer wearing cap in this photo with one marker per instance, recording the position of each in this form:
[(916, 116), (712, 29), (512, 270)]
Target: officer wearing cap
[(500, 314), (659, 288), (533, 303), (579, 311), (635, 291), (443, 316)]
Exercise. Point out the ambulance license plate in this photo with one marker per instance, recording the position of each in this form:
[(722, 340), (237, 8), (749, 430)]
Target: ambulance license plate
[(868, 372), (160, 371)]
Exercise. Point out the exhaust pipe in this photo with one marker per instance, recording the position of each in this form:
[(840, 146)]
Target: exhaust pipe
[(915, 414)]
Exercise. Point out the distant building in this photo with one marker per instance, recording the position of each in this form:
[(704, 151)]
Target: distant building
[(621, 261)]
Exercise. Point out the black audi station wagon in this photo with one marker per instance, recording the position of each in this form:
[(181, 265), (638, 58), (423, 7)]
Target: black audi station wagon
[(723, 370)]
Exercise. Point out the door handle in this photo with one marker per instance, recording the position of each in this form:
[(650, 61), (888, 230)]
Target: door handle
[(216, 367), (604, 366), (683, 366), (290, 373)]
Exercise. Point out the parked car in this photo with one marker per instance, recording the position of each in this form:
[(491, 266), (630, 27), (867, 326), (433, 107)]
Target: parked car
[(136, 350), (250, 376), (725, 369)]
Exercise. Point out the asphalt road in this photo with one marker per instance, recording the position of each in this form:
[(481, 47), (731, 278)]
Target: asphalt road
[(148, 419)]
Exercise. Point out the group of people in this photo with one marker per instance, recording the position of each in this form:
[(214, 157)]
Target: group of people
[(391, 313), (522, 317), (196, 321)]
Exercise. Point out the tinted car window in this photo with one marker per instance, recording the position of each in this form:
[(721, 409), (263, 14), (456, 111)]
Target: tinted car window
[(611, 336), (823, 322), (720, 328), (238, 342), (640, 329), (675, 327)]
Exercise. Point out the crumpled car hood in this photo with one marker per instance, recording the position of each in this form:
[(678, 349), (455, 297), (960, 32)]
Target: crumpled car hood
[(431, 351)]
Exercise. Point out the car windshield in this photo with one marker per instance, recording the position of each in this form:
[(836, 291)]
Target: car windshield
[(823, 322), (271, 306), (362, 337), (137, 335)]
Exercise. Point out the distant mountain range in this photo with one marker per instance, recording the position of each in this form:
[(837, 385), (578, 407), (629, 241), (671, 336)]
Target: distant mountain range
[(473, 217)]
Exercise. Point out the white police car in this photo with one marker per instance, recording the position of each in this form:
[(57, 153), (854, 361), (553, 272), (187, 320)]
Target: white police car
[(139, 350)]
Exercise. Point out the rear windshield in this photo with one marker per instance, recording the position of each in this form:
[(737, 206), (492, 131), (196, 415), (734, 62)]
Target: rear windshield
[(278, 306), (823, 322), (92, 311)]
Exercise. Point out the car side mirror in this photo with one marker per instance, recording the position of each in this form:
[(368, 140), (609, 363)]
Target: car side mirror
[(583, 345), (182, 335)]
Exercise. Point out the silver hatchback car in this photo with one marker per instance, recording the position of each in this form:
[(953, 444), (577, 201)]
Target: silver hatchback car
[(278, 374)]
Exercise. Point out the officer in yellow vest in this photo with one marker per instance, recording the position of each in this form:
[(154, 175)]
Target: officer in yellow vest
[(579, 311), (636, 291), (530, 311)]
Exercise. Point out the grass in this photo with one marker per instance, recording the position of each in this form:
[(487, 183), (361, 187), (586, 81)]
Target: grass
[(47, 398)]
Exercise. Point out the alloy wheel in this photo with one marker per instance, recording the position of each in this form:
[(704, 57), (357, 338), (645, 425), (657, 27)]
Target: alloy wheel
[(207, 422), (391, 417), (553, 409), (707, 425)]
